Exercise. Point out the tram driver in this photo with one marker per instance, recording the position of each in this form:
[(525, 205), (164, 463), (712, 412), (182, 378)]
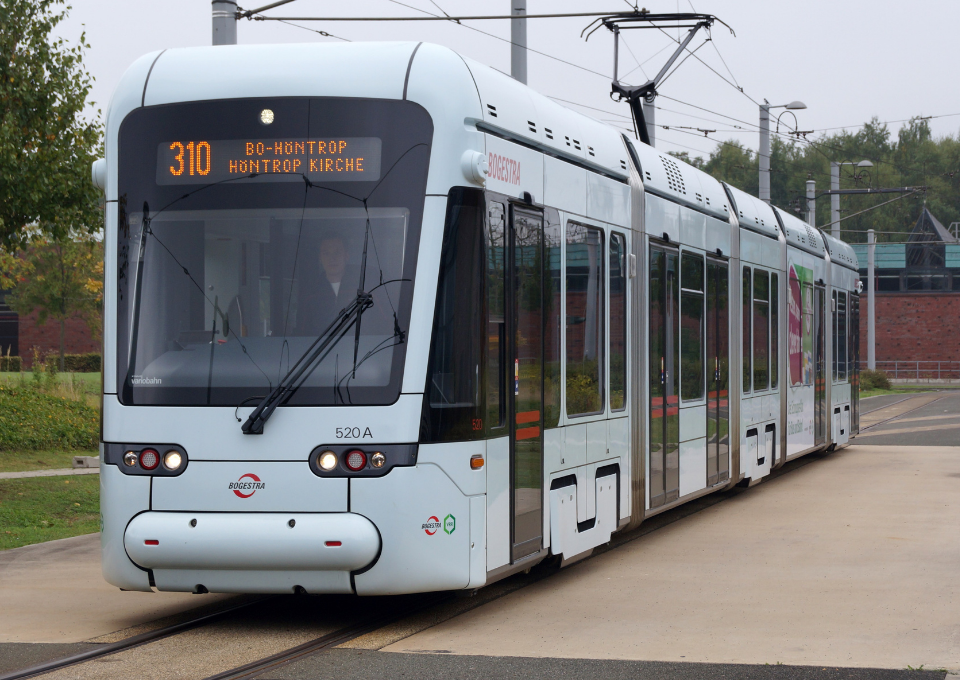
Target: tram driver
[(334, 288)]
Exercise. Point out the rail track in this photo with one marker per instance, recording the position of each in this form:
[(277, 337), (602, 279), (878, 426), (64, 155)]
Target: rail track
[(398, 611), (126, 643)]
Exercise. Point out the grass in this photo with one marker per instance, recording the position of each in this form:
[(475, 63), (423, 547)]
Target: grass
[(19, 461), (83, 387), (42, 509), (33, 419), (864, 394)]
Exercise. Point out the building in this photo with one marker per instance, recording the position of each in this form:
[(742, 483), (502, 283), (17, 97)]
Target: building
[(917, 287)]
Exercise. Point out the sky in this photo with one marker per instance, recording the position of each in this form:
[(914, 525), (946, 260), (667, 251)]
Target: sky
[(847, 61)]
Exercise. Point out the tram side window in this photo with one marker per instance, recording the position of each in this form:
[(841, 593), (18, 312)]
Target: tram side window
[(835, 337), (618, 322), (454, 388), (761, 330), (496, 301), (841, 336), (584, 284), (691, 327), (746, 315), (774, 329)]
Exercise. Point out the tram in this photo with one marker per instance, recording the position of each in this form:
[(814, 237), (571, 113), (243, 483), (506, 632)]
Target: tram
[(380, 319)]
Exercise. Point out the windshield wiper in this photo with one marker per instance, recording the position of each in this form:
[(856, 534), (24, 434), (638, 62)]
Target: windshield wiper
[(131, 364), (308, 361)]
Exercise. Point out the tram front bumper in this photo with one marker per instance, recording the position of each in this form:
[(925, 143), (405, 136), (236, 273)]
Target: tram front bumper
[(252, 552)]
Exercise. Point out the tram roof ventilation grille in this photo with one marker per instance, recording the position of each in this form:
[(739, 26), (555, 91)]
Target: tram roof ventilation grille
[(590, 151), (811, 234), (532, 126), (576, 145), (623, 164), (548, 132), (674, 177), (492, 109)]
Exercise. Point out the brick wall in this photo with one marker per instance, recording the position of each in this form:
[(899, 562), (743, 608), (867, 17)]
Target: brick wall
[(914, 327), (77, 337)]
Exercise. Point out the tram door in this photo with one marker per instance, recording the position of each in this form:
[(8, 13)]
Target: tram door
[(664, 376), (718, 374), (854, 332), (820, 367), (525, 390)]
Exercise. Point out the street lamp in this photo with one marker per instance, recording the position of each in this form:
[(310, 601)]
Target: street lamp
[(834, 197), (765, 143)]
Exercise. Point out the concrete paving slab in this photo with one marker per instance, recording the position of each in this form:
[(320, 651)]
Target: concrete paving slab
[(58, 472), (54, 593), (849, 561)]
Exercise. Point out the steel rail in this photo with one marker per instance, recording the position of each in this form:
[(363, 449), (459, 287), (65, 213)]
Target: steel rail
[(127, 643)]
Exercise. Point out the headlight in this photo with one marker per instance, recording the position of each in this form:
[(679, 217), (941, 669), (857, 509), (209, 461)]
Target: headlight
[(172, 460), (129, 459), (327, 460), (378, 459)]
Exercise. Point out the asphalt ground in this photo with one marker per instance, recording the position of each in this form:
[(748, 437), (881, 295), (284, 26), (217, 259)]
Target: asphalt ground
[(936, 423), (350, 664), (873, 403), (274, 626), (17, 655)]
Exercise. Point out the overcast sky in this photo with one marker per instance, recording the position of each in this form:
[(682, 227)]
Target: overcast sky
[(848, 61)]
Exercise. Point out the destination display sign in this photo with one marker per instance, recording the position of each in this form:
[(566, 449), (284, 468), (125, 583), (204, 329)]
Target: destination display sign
[(321, 159)]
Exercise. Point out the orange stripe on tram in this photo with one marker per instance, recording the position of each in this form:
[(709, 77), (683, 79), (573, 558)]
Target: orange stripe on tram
[(528, 433), (528, 417)]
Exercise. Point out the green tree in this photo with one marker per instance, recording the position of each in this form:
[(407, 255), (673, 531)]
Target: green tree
[(58, 278), (46, 144), (913, 158)]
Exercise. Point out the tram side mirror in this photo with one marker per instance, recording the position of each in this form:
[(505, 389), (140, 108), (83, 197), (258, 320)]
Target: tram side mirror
[(98, 174)]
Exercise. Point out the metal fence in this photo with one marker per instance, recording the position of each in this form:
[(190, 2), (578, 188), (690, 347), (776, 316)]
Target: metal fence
[(919, 370)]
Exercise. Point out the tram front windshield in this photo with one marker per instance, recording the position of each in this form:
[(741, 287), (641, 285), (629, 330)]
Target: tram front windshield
[(229, 271)]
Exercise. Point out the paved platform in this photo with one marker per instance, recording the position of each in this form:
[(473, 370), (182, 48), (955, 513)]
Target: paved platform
[(54, 593), (848, 561)]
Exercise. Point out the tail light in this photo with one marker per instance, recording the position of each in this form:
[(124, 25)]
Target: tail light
[(149, 459), (356, 460)]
